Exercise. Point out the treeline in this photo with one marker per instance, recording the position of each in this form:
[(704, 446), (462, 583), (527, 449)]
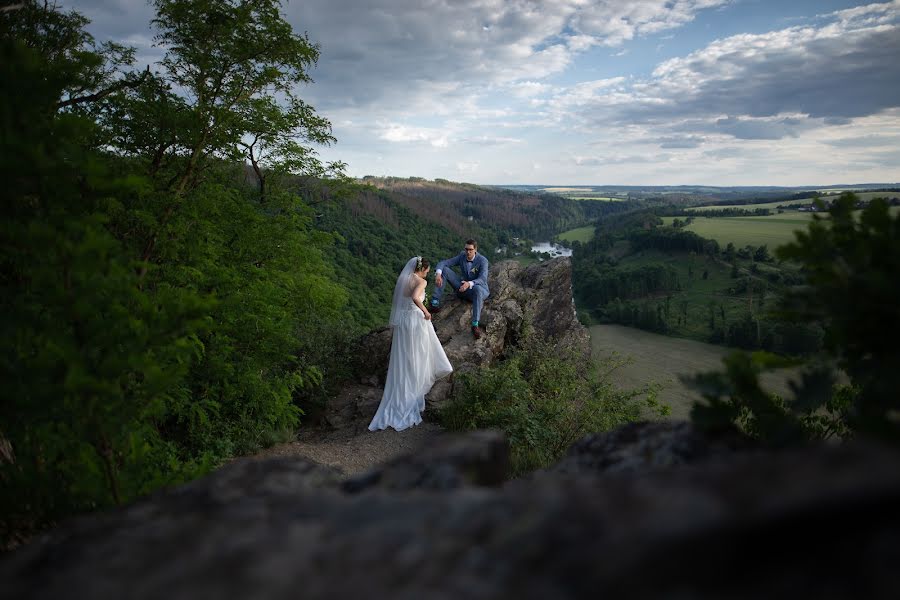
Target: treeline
[(717, 211), (669, 240), (375, 237), (637, 272), (603, 285), (502, 211)]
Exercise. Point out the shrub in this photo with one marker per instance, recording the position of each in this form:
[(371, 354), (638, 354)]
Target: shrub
[(544, 401)]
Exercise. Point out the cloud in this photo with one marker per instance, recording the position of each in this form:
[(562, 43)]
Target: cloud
[(725, 152), (601, 161), (398, 133), (391, 61), (690, 141), (867, 141), (385, 50), (613, 23), (529, 89), (488, 140), (761, 129), (762, 86)]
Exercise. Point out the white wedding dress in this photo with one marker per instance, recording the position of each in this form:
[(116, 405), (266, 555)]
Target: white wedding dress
[(417, 361)]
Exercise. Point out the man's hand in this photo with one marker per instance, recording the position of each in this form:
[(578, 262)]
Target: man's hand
[(465, 285), (438, 280)]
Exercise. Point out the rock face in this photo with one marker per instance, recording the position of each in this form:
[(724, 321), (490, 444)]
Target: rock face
[(641, 447), (539, 295), (821, 522)]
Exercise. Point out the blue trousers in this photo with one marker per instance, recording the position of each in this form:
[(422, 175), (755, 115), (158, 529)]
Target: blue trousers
[(475, 294)]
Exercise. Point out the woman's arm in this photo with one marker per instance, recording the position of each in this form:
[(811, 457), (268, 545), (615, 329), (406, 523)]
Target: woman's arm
[(417, 298)]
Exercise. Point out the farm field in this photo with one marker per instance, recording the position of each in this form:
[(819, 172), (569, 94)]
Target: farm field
[(770, 205), (773, 230), (583, 193), (661, 359), (774, 205), (579, 234), (562, 190)]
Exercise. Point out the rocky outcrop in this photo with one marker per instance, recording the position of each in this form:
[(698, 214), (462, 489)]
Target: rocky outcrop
[(820, 522), (538, 296), (643, 447)]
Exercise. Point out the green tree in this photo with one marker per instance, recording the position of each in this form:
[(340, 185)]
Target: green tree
[(852, 266), (851, 263), (91, 362), (761, 254), (158, 316), (226, 90)]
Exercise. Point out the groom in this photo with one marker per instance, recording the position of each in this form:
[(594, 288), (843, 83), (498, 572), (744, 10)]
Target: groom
[(474, 286)]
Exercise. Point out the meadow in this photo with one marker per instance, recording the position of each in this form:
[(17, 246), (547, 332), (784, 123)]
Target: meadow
[(579, 234), (770, 205), (773, 230), (863, 196), (653, 358)]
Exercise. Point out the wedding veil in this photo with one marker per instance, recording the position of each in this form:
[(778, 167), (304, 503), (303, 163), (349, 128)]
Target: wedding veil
[(402, 290)]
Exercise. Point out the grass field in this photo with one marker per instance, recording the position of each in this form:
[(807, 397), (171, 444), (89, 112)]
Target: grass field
[(774, 205), (773, 230), (580, 234), (661, 359), (562, 190)]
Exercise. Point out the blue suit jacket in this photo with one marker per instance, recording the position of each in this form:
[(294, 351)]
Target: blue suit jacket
[(477, 273)]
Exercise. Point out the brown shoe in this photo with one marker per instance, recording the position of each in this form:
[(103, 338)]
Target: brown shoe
[(434, 309), (477, 331)]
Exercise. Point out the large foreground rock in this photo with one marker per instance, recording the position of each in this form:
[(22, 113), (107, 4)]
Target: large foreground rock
[(538, 296), (816, 523)]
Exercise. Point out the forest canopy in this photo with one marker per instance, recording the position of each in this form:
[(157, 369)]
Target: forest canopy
[(164, 308)]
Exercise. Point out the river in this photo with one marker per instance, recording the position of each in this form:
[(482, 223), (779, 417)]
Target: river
[(553, 250)]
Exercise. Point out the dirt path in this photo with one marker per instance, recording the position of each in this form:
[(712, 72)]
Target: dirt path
[(352, 452)]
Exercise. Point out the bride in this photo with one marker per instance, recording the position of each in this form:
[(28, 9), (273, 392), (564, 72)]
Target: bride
[(417, 357)]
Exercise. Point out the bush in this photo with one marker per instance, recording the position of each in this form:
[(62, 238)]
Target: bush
[(544, 401)]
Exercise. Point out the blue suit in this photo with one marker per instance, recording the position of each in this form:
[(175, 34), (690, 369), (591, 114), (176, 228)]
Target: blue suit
[(475, 271)]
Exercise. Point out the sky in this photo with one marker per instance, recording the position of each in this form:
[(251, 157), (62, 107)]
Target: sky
[(590, 92)]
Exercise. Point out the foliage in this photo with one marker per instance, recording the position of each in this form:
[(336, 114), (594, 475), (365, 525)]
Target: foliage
[(159, 315), (607, 283), (639, 272), (543, 402), (735, 395), (376, 237), (852, 269), (672, 239), (227, 90)]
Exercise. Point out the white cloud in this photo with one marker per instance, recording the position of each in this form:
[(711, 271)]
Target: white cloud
[(426, 88), (398, 133), (760, 86), (490, 140)]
